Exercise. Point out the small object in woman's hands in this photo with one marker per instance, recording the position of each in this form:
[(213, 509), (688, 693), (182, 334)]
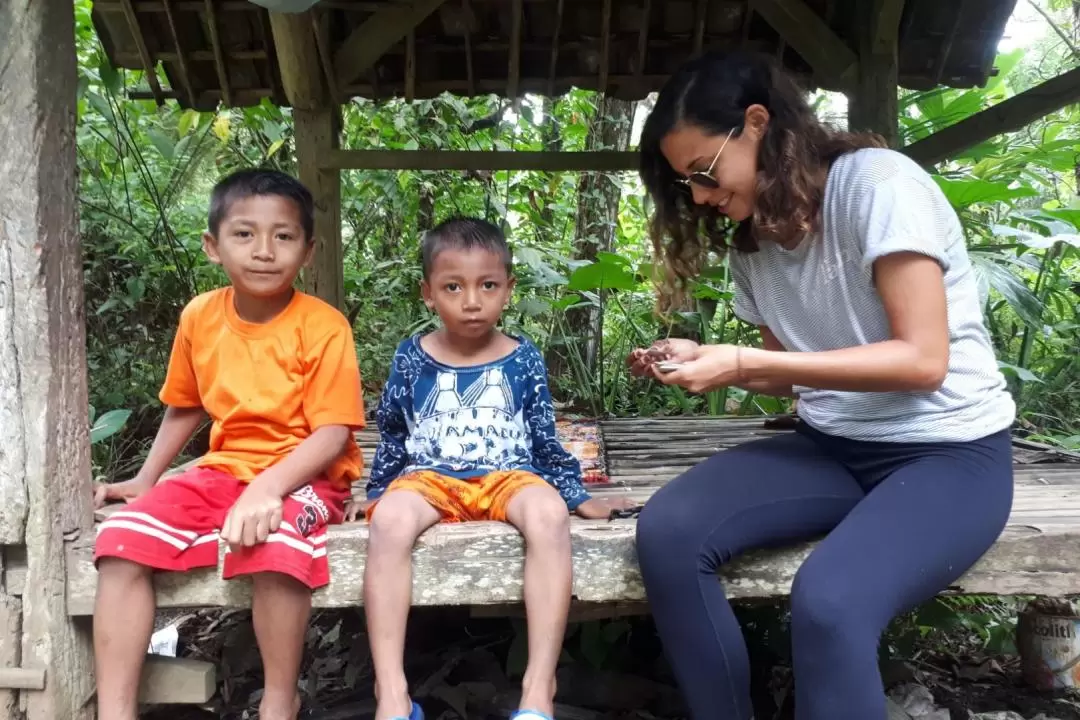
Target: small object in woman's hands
[(668, 366)]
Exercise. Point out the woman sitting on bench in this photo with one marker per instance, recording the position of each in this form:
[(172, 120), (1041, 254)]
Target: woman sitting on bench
[(849, 259)]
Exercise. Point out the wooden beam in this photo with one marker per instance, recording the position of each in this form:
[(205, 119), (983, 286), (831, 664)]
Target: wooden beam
[(834, 63), (605, 46), (266, 34), (298, 60), (410, 66), (185, 71), (317, 133), (1007, 116), (45, 469), (470, 76), (22, 678), (320, 30), (219, 57), (872, 102), (144, 54), (384, 29), (553, 65), (476, 160), (516, 13), (643, 38)]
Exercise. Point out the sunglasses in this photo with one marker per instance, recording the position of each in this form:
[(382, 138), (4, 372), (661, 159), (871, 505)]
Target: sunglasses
[(704, 178)]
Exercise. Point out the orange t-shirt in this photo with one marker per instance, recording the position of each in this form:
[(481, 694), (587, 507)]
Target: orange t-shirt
[(268, 386)]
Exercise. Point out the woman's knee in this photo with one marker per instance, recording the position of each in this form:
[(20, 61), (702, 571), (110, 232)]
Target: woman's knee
[(823, 599)]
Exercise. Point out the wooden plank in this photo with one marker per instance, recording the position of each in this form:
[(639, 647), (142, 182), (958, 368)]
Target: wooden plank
[(219, 56), (43, 428), (176, 681), (481, 564), (185, 71), (834, 63), (384, 29), (317, 134), (12, 678), (1007, 116), (144, 54), (477, 160)]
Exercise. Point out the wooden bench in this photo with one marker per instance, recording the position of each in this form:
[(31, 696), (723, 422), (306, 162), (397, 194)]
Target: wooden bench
[(480, 564)]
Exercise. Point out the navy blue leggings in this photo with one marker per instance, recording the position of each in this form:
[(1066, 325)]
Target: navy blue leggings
[(903, 522)]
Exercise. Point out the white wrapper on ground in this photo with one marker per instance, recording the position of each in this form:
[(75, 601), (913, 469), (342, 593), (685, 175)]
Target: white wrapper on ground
[(164, 641)]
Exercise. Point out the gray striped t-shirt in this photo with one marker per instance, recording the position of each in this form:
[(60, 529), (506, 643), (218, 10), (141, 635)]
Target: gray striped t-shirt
[(821, 296)]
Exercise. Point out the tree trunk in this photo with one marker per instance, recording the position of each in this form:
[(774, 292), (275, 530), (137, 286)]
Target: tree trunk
[(594, 228)]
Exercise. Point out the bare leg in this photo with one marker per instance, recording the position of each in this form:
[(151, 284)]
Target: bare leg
[(123, 623), (541, 516), (280, 609), (399, 518)]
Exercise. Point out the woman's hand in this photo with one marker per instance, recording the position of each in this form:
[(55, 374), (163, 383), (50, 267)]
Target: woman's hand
[(678, 350), (713, 366)]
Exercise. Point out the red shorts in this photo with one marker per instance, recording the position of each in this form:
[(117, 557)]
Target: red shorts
[(175, 527)]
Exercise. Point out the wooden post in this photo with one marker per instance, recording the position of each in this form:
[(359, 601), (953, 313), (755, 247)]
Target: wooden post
[(44, 440), (317, 131), (872, 103)]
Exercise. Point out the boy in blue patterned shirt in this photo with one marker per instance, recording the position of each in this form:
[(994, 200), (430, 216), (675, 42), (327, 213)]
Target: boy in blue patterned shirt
[(468, 433)]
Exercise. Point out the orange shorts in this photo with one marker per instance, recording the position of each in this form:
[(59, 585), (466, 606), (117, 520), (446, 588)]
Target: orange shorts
[(486, 497)]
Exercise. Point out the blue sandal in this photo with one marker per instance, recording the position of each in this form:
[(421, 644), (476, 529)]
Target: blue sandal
[(530, 715), (417, 713)]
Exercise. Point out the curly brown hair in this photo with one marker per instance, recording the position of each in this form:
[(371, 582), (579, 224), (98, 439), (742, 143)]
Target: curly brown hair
[(712, 93)]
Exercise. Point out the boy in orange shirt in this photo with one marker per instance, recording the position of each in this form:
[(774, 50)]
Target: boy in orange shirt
[(276, 372)]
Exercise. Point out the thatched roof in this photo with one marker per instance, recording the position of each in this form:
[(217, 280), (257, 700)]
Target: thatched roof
[(214, 50)]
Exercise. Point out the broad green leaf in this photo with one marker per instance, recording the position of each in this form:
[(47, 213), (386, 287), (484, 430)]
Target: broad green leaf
[(274, 147), (602, 276), (189, 121), (108, 425), (1023, 374), (994, 275), (100, 104), (109, 77), (163, 144), (965, 192), (532, 306)]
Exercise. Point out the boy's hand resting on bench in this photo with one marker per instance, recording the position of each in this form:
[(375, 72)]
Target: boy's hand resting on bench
[(356, 509), (254, 516), (125, 491), (600, 508)]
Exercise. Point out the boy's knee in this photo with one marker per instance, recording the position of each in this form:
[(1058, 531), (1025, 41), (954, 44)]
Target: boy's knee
[(121, 571), (277, 582), (399, 518), (545, 516)]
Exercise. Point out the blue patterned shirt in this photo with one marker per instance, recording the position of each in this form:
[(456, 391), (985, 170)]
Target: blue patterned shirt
[(468, 421)]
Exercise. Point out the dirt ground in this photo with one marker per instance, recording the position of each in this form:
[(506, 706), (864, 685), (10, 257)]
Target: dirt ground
[(463, 668)]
